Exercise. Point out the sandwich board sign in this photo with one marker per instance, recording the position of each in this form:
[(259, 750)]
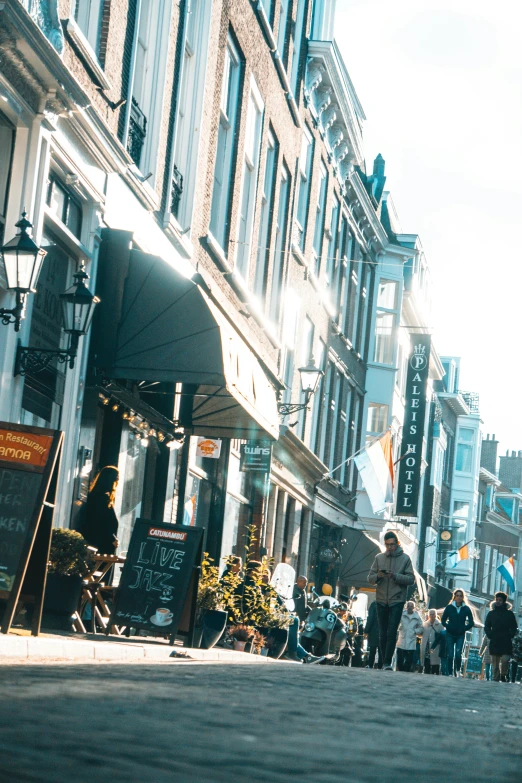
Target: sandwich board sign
[(158, 585), (29, 463)]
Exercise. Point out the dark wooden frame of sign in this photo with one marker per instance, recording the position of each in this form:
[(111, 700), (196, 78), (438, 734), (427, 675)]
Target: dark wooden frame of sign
[(188, 613), (29, 584)]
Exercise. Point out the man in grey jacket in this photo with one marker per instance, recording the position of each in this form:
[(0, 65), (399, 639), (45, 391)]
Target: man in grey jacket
[(391, 572)]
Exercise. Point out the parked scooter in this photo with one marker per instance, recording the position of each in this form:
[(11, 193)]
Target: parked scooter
[(324, 632)]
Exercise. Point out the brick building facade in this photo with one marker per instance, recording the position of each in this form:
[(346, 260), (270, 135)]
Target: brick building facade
[(221, 141)]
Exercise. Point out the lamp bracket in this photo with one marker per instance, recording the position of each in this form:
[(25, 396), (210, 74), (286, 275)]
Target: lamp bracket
[(286, 409), (35, 360)]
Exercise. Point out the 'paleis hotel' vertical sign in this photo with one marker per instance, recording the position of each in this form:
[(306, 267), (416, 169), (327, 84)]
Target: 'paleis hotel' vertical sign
[(413, 432)]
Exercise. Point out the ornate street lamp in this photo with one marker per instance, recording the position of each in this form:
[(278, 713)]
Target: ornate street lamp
[(310, 376), (22, 260), (78, 305)]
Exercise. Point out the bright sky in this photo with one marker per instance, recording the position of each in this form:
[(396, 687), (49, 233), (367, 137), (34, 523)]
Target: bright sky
[(441, 85)]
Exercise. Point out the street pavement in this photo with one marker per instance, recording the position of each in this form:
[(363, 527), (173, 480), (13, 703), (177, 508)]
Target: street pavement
[(206, 723)]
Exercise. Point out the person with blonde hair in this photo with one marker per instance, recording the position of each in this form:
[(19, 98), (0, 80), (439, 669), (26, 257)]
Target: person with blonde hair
[(456, 619), (431, 634)]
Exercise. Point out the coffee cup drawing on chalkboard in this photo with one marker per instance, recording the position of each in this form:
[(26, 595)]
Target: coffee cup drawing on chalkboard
[(162, 617)]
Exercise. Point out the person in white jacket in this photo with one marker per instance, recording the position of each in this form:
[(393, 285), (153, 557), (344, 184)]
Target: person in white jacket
[(409, 628)]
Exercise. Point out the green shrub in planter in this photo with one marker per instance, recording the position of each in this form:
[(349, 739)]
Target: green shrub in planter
[(70, 560), (69, 555)]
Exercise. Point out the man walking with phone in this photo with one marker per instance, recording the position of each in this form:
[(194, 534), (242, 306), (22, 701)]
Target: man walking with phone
[(392, 573)]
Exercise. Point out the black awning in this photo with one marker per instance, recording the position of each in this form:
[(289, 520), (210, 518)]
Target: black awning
[(168, 329), (357, 556)]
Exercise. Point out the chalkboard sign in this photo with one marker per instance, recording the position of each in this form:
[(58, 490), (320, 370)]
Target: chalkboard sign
[(160, 566), (474, 661), (28, 472)]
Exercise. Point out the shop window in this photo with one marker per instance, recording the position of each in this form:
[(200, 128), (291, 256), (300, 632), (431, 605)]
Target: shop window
[(249, 181), (238, 506), (464, 462), (230, 110), (265, 223), (280, 245), (65, 206), (7, 137)]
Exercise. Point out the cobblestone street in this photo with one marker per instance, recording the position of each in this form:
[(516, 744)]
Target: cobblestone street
[(203, 723)]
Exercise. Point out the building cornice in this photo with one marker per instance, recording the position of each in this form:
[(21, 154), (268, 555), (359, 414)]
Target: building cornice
[(361, 195), (331, 74), (488, 478)]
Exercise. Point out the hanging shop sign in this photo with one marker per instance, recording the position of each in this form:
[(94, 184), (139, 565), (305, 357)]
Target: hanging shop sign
[(159, 581), (29, 461), (408, 484), (255, 455), (209, 448)]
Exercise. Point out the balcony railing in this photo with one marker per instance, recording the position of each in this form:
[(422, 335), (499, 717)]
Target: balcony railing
[(472, 400), (137, 132)]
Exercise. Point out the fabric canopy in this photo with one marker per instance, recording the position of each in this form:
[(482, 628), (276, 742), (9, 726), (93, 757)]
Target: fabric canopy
[(357, 555), (170, 330)]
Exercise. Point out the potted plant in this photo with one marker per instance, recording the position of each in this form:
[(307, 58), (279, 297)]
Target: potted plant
[(69, 562), (213, 600), (241, 634)]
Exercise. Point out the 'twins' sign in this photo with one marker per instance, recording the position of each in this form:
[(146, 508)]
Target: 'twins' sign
[(413, 432)]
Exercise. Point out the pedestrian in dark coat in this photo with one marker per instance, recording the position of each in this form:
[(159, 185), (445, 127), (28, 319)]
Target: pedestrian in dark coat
[(500, 628), (371, 631), (456, 619)]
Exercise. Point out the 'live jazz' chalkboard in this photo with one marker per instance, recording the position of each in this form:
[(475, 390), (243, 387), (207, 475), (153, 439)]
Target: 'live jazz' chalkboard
[(18, 495), (156, 576)]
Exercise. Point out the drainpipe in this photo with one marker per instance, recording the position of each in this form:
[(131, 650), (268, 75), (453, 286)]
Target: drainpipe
[(128, 105), (171, 147)]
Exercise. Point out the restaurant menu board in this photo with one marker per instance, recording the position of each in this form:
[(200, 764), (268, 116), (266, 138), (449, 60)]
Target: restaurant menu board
[(159, 567), (28, 471), (18, 497), (473, 661)]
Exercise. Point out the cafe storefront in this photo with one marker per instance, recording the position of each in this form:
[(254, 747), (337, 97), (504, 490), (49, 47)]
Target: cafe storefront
[(172, 391)]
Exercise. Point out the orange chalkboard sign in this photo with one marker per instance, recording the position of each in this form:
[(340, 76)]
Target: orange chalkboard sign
[(23, 448), (29, 459)]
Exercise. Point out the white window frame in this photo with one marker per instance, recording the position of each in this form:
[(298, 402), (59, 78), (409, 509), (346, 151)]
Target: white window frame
[(228, 117), (384, 351), (384, 413), (305, 178), (190, 109), (88, 15), (249, 181), (468, 444), (280, 243), (155, 40), (320, 217)]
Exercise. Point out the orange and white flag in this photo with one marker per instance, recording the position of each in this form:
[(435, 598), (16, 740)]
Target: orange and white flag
[(375, 465)]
